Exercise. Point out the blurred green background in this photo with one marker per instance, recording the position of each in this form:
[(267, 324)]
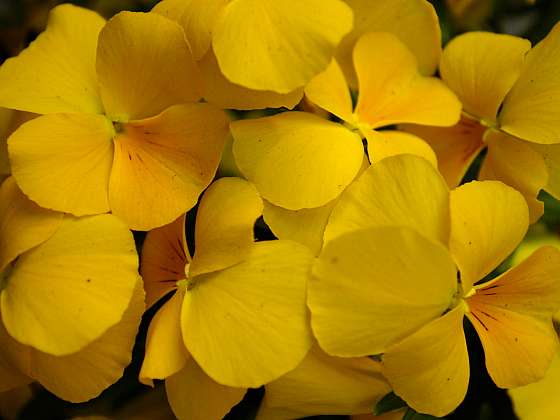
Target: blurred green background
[(22, 20)]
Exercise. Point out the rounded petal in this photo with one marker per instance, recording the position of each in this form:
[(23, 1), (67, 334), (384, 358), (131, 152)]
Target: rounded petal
[(516, 164), (414, 22), (225, 220), (392, 90), (247, 325), (382, 144), (23, 224), (373, 287), (63, 161), (297, 160), (488, 221), (221, 92), (481, 68), (164, 258), (285, 43), (71, 289), (399, 191), (551, 156), (193, 395), (513, 318), (197, 17), (145, 65), (10, 376), (430, 368), (162, 164), (330, 91), (100, 364), (455, 147), (530, 111), (323, 384), (165, 353), (56, 73)]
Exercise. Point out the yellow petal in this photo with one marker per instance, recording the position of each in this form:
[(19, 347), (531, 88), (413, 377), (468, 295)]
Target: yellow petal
[(455, 147), (197, 17), (530, 111), (144, 65), (193, 395), (63, 161), (400, 191), (221, 92), (373, 287), (513, 317), (279, 45), (162, 164), (10, 376), (165, 352), (414, 22), (481, 68), (247, 325), (225, 219), (431, 362), (488, 220), (295, 159), (100, 364), (516, 164), (56, 73), (23, 224), (551, 156), (330, 91), (393, 91), (382, 144), (71, 289), (164, 258), (323, 384)]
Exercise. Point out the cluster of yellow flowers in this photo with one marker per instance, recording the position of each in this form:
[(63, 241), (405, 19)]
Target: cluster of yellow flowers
[(381, 253)]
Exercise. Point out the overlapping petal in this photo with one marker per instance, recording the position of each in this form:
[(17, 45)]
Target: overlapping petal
[(551, 156), (382, 144)]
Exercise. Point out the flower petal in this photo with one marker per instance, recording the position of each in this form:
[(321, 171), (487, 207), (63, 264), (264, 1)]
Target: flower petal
[(414, 22), (392, 90), (164, 258), (221, 92), (373, 287), (430, 368), (165, 353), (382, 144), (63, 161), (162, 164), (193, 395), (323, 384), (144, 65), (488, 221), (71, 289), (10, 376), (455, 147), (247, 325), (23, 224), (530, 110), (297, 160), (284, 43), (551, 156), (197, 17), (513, 317), (399, 191), (481, 68), (330, 91), (56, 73), (225, 220), (516, 164)]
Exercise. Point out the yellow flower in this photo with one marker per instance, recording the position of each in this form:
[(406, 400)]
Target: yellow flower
[(58, 275), (121, 131), (238, 317), (510, 103), (387, 282)]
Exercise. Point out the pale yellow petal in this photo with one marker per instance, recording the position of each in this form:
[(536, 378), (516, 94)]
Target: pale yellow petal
[(551, 156), (382, 144)]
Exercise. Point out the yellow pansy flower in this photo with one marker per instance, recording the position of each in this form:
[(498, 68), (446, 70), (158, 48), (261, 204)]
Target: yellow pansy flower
[(238, 317), (57, 275), (387, 283), (10, 120), (121, 130), (510, 102)]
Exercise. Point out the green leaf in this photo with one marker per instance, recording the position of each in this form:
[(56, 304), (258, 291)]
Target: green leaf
[(388, 403), (413, 415)]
